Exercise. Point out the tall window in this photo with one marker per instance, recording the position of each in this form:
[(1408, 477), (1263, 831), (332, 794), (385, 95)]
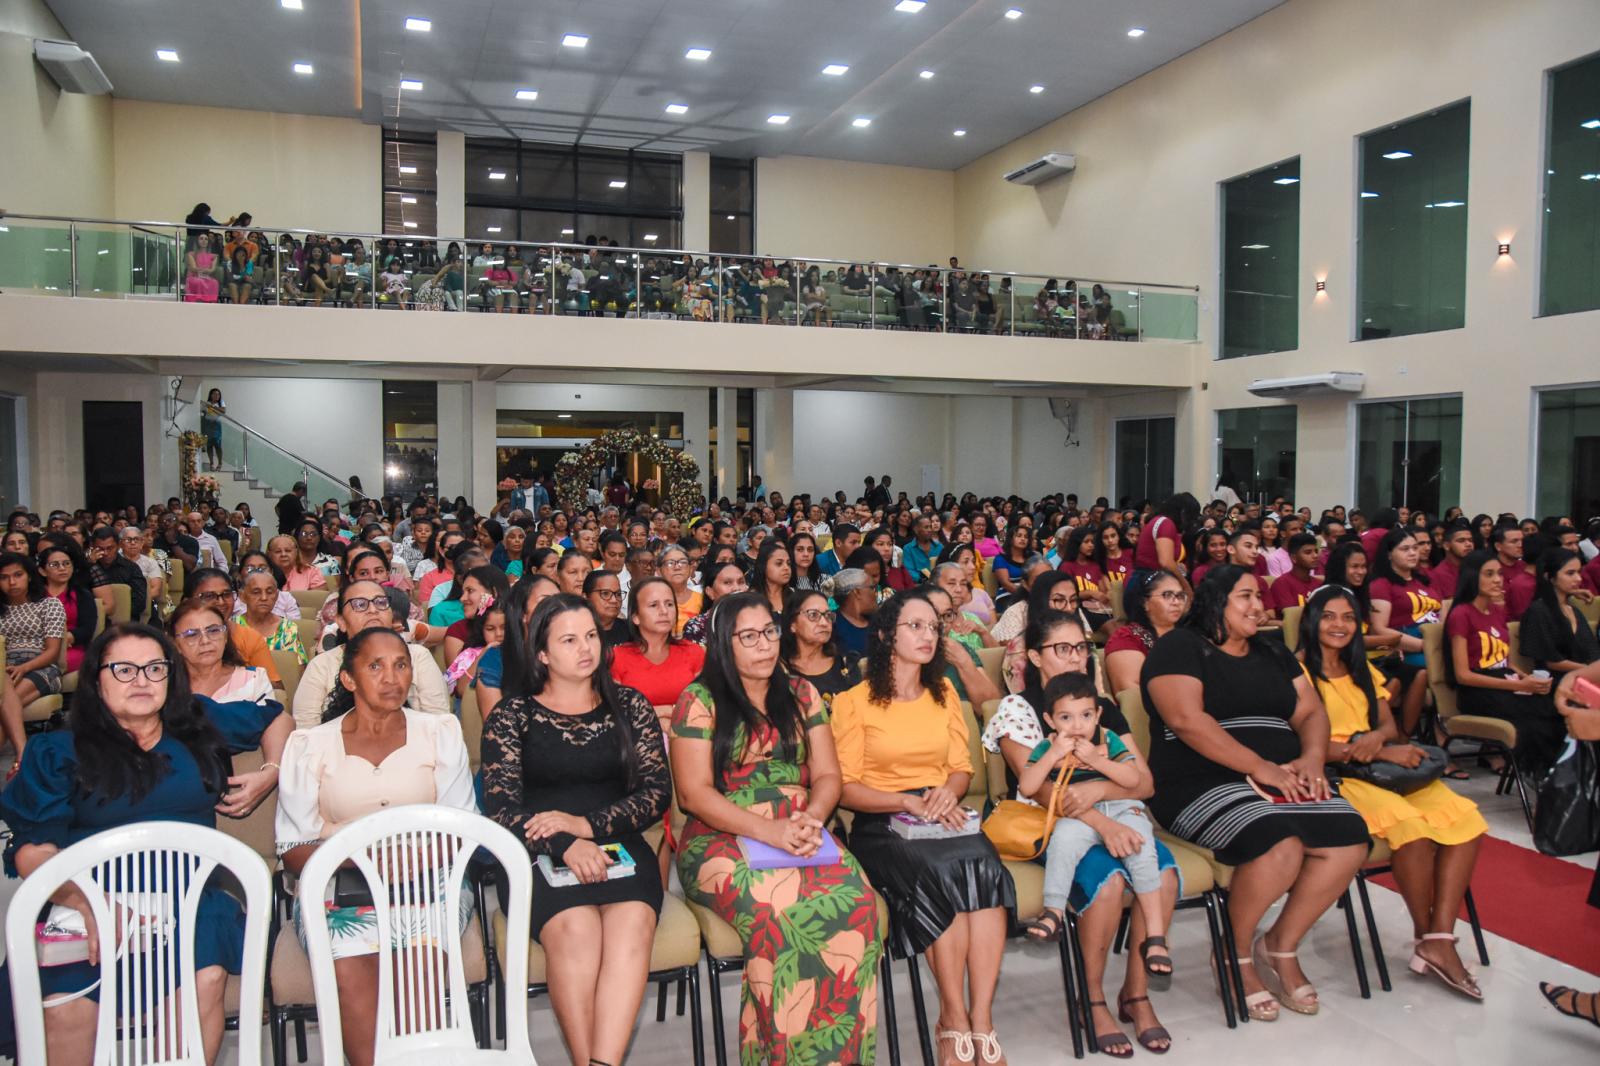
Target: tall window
[(1146, 457), (1255, 451), (1261, 261), (526, 191), (410, 183), (1569, 454), (1412, 261), (733, 206), (1409, 454), (1570, 273), (410, 438)]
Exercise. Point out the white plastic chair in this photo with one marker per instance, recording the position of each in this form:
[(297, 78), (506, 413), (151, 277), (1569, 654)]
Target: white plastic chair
[(158, 869), (433, 1022)]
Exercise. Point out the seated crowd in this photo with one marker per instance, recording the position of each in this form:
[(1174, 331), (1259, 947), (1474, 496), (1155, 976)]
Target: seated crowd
[(801, 678), (234, 263)]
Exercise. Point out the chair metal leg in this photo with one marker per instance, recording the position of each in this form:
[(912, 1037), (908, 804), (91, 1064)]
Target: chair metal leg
[(1349, 908), (683, 989), (1085, 1011), (1522, 791), (300, 1038), (500, 995), (1477, 929), (1235, 978), (1120, 941), (280, 1038), (1219, 956), (1378, 960), (719, 1039), (697, 1029), (891, 1022), (924, 1033), (661, 1001), (1069, 949)]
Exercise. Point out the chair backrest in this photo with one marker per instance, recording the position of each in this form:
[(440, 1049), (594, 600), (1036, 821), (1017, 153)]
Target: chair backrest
[(227, 549), (422, 994), (1589, 609), (308, 626), (471, 725), (438, 657), (978, 788), (175, 575), (994, 762), (993, 660), (990, 581), (1433, 653), (256, 830), (310, 601), (1117, 612), (100, 612), (289, 668), (121, 602), (1138, 718), (1291, 627), (156, 869), (1519, 662)]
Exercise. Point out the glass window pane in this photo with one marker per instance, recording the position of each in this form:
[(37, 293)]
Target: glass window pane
[(732, 185), (1412, 261), (486, 160), (410, 437), (491, 224), (409, 164), (598, 173), (1409, 454), (1256, 451), (1570, 273), (1569, 454), (547, 173), (732, 234), (1261, 261), (405, 212), (1146, 459), (657, 181)]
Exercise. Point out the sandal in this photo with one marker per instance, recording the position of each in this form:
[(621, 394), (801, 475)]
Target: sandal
[(1554, 993), (1116, 1044), (960, 1052), (989, 1052), (1421, 966), (1260, 1006), (1147, 1037), (1301, 1000), (1456, 773), (1045, 929), (1159, 979)]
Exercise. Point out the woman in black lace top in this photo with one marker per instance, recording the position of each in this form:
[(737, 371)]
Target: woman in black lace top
[(575, 767)]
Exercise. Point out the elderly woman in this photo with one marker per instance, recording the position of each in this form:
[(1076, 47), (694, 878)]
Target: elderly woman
[(298, 576), (1432, 832), (577, 766), (753, 757), (250, 562), (260, 587), (1058, 644), (330, 780), (139, 746), (1154, 601), (902, 744), (1235, 721)]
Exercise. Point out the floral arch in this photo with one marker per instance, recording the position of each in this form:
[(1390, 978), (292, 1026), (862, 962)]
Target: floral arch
[(680, 474)]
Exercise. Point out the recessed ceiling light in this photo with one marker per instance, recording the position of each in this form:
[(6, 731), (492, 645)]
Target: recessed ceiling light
[(1592, 124), (1014, 13), (497, 175), (924, 74), (618, 183), (778, 120), (1254, 247), (408, 170), (698, 54), (677, 109), (419, 25), (410, 85), (491, 229), (730, 218), (960, 133), (1137, 31), (861, 123), (1448, 203), (1285, 181), (408, 199), (303, 68), (1589, 177), (1036, 89), (1369, 196), (527, 94), (833, 70), (564, 414), (1397, 155), (292, 5), (409, 225), (575, 40), (166, 55), (911, 7), (651, 236)]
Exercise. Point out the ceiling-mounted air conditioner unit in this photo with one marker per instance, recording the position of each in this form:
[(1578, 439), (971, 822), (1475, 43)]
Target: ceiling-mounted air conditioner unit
[(1309, 384), (1043, 169), (71, 67)]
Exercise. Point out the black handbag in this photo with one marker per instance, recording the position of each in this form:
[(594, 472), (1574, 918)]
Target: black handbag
[(1397, 778), (1566, 820)]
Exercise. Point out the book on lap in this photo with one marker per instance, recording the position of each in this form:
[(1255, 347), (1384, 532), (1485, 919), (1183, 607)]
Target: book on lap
[(910, 827), (759, 856), (622, 865)]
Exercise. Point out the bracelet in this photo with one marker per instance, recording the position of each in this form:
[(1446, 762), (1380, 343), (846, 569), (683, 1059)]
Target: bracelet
[(274, 765)]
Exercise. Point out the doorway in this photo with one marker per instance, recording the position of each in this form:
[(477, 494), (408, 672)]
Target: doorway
[(113, 454)]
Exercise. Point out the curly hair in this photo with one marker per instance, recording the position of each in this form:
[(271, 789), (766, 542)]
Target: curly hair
[(880, 649)]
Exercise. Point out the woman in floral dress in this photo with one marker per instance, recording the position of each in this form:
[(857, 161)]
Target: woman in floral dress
[(752, 756)]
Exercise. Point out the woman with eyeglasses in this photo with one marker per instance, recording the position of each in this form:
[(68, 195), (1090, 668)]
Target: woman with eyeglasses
[(1154, 601), (1058, 644), (903, 748), (602, 589), (66, 580), (34, 626), (260, 590), (753, 756), (807, 648), (139, 746), (1051, 590), (365, 605), (253, 562)]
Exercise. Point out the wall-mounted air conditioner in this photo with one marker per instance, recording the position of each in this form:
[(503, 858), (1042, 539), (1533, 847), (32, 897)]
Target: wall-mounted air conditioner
[(1309, 384), (1043, 169), (71, 67)]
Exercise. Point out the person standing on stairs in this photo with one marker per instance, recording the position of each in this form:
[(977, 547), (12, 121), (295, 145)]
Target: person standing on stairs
[(211, 427)]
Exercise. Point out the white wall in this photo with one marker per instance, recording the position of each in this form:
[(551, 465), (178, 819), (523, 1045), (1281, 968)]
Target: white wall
[(55, 423), (826, 208), (1306, 79), (290, 171)]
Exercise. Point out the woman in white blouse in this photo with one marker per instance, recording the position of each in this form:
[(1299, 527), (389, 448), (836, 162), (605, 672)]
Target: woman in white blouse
[(372, 752)]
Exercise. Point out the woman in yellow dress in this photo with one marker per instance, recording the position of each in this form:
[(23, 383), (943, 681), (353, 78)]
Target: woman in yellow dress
[(1432, 832)]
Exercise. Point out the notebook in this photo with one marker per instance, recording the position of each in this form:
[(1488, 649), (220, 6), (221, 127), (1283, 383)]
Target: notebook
[(759, 856), (622, 865)]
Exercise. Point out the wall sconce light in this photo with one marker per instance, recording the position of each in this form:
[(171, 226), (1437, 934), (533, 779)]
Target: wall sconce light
[(1322, 286), (1505, 248)]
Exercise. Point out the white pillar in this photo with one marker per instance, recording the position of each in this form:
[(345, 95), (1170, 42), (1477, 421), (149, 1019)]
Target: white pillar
[(451, 184), (774, 444), (484, 424), (697, 201), (727, 442)]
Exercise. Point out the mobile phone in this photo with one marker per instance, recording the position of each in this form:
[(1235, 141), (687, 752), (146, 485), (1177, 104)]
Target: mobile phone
[(1267, 792), (1586, 692)]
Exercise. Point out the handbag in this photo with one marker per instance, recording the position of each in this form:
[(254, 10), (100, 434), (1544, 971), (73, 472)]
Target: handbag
[(1566, 818), (1021, 831), (1397, 778)]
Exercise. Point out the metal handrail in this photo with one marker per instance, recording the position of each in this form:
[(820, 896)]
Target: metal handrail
[(467, 242), (305, 464)]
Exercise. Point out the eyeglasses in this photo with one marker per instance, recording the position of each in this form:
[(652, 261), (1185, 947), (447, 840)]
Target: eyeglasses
[(367, 604), (155, 670), (1067, 647), (814, 616), (1173, 596), (257, 569), (675, 564), (751, 637), (216, 632), (920, 628), (213, 597), (58, 564), (608, 594)]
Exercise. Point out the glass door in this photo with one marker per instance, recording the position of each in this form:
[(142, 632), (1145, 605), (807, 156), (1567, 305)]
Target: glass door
[(1145, 459)]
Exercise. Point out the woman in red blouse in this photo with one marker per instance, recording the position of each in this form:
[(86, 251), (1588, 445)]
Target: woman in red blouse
[(657, 664), (1401, 605)]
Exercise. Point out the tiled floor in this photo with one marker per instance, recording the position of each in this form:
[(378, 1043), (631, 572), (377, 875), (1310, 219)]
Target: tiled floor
[(1419, 1022)]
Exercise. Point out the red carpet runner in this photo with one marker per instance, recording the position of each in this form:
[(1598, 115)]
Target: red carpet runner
[(1538, 901)]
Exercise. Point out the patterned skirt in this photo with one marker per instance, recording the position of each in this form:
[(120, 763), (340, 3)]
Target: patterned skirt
[(354, 930)]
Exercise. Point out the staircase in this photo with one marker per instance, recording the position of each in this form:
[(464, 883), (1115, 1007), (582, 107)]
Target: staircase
[(234, 486), (258, 470)]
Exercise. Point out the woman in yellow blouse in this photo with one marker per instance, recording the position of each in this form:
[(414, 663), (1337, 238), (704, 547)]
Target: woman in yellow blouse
[(1432, 832), (902, 743)]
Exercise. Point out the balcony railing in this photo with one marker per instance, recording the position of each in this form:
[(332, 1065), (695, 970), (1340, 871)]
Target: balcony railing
[(53, 255)]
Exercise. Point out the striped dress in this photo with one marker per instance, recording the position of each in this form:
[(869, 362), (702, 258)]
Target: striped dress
[(1252, 697)]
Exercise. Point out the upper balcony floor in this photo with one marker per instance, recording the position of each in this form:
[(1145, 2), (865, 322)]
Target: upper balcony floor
[(141, 289)]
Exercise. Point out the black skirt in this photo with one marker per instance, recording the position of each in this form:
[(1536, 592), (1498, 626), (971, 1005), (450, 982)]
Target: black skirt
[(643, 887), (928, 882)]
